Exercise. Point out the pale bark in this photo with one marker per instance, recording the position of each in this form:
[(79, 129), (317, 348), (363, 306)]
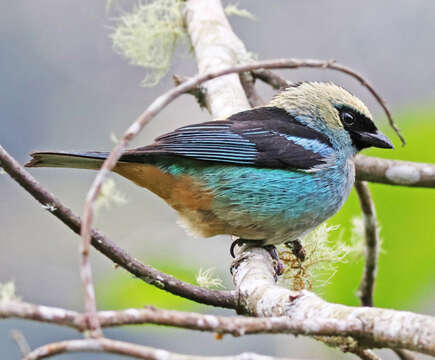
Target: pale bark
[(216, 47)]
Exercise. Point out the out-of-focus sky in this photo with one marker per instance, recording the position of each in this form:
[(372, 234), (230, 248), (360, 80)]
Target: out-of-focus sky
[(63, 88)]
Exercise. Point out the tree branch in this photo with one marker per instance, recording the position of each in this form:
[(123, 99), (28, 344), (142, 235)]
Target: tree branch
[(216, 47), (108, 248), (105, 345), (298, 313), (394, 172)]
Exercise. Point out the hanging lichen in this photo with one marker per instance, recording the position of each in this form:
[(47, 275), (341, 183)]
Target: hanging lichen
[(321, 259), (234, 10), (148, 35)]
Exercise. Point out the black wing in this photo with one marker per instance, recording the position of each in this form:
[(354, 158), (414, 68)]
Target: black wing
[(264, 137)]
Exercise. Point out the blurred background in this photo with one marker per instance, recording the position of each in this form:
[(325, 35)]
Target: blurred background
[(63, 88)]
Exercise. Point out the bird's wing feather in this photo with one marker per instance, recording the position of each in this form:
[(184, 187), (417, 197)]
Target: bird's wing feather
[(264, 137)]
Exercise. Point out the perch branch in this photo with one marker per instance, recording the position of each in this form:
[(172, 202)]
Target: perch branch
[(253, 276), (109, 248)]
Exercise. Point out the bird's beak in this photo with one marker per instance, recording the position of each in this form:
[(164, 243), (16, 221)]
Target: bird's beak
[(376, 139)]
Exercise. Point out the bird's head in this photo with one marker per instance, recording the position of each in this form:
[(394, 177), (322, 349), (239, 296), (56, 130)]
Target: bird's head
[(334, 111)]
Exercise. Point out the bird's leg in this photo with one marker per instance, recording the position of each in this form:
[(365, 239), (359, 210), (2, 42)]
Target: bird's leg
[(297, 249), (271, 249)]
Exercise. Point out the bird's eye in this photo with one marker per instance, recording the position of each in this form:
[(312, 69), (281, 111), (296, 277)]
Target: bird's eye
[(347, 118)]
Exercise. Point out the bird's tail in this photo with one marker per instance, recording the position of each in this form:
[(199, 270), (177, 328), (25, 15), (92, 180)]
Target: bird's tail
[(77, 160)]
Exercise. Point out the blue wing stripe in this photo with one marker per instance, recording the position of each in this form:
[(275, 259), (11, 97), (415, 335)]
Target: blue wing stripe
[(312, 145)]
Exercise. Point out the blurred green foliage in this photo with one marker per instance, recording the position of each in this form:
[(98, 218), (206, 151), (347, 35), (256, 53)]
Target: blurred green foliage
[(123, 290), (406, 216)]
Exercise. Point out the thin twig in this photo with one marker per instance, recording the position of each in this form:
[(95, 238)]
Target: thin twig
[(372, 243), (198, 92), (88, 288), (248, 84), (333, 65), (108, 248), (21, 342), (271, 78), (105, 345), (371, 236)]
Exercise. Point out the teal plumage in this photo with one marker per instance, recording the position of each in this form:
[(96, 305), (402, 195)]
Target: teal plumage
[(276, 205), (270, 174)]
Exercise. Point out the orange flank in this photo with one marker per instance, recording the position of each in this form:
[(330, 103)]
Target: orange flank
[(181, 192)]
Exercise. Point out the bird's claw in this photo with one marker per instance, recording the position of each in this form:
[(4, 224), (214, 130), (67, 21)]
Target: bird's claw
[(277, 264)]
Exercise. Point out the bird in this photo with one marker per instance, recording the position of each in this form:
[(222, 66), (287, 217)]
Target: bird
[(268, 175)]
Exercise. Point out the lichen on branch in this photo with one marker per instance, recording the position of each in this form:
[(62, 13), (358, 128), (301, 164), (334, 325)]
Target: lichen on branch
[(322, 256), (148, 35)]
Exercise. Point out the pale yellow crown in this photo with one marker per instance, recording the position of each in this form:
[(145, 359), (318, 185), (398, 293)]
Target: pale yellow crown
[(317, 99)]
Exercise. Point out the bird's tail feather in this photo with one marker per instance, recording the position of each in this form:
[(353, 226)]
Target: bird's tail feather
[(77, 160)]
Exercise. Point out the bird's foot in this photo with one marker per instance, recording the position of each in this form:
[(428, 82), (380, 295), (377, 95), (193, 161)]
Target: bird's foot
[(271, 249), (277, 264), (297, 249)]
